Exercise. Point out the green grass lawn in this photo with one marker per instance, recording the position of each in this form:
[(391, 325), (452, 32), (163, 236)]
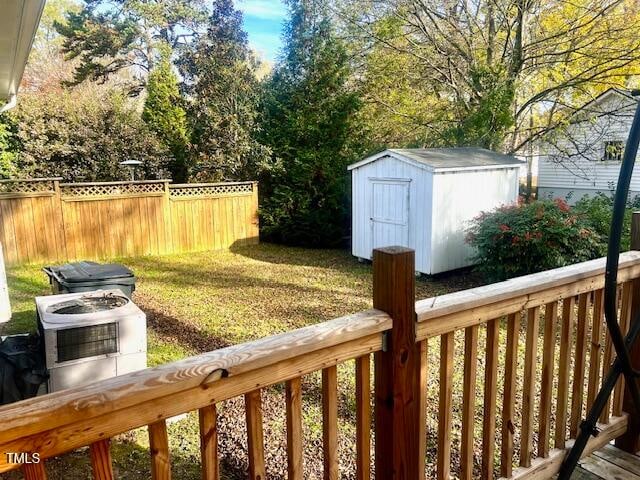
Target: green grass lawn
[(199, 302)]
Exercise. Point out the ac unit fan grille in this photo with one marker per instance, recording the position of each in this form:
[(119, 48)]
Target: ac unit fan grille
[(89, 341)]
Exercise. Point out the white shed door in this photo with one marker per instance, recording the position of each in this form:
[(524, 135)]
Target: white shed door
[(389, 212)]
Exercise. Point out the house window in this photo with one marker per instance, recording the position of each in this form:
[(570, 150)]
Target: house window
[(613, 150)]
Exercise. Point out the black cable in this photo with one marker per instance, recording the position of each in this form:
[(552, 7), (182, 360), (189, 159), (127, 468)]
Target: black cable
[(613, 252), (622, 364)]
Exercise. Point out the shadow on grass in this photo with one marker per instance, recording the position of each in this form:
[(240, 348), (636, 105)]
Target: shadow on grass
[(172, 329), (223, 276), (336, 258)]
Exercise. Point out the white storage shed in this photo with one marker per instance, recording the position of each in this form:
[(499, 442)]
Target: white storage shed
[(425, 198)]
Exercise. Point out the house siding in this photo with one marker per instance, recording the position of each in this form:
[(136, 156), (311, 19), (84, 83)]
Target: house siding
[(572, 166)]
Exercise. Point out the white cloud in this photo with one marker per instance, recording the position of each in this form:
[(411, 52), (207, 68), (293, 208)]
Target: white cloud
[(265, 9)]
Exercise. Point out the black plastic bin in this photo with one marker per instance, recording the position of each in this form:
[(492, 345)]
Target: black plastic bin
[(22, 367), (90, 276)]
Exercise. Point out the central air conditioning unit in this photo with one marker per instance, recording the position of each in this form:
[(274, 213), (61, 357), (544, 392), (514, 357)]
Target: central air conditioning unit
[(91, 336), (5, 306)]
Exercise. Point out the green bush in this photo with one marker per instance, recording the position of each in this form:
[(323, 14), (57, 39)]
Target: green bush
[(598, 210), (521, 239), (82, 135), (7, 147)]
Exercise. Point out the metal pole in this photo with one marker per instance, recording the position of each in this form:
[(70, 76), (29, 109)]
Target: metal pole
[(622, 364)]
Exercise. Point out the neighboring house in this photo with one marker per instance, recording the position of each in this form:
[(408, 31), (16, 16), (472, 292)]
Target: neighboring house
[(585, 157)]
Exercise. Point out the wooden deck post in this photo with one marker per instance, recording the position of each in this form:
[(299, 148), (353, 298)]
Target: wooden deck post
[(397, 368), (630, 441)]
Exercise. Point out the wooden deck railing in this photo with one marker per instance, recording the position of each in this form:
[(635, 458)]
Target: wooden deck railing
[(554, 310), (566, 301)]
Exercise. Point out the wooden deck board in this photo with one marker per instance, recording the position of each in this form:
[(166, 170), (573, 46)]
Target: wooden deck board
[(608, 463), (582, 474), (620, 458)]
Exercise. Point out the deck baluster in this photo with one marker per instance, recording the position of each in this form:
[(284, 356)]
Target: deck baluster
[(253, 407), (34, 471), (209, 442), (159, 446), (101, 460), (577, 397), (490, 397), (511, 365), (548, 353), (566, 333), (330, 423), (293, 394), (363, 418), (528, 394), (469, 402), (595, 358)]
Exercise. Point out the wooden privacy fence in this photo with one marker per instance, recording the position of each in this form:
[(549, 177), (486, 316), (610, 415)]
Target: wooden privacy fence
[(560, 309), (45, 220)]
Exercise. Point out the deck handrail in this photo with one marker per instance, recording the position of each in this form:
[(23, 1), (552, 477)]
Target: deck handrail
[(90, 415), (191, 383), (453, 311)]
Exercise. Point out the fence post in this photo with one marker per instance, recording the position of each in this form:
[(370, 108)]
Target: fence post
[(61, 226), (167, 219), (254, 236), (397, 367), (630, 440)]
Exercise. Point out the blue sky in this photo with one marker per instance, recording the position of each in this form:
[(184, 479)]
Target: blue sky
[(263, 21)]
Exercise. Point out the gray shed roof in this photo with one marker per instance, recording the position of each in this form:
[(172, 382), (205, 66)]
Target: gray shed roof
[(446, 158)]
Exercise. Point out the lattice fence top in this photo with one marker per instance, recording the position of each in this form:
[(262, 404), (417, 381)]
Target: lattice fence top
[(211, 190), (27, 186), (111, 189), (79, 191)]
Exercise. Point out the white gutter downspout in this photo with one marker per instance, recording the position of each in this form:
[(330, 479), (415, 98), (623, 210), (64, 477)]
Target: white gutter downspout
[(5, 306), (13, 99)]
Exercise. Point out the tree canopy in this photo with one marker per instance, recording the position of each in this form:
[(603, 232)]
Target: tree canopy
[(107, 36), (492, 73), (83, 135)]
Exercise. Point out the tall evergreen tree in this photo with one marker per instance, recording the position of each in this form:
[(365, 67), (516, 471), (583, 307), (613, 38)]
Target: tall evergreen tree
[(164, 114), (220, 82), (309, 123)]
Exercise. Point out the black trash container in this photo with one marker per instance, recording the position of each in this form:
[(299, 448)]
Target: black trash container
[(90, 276), (22, 367)]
